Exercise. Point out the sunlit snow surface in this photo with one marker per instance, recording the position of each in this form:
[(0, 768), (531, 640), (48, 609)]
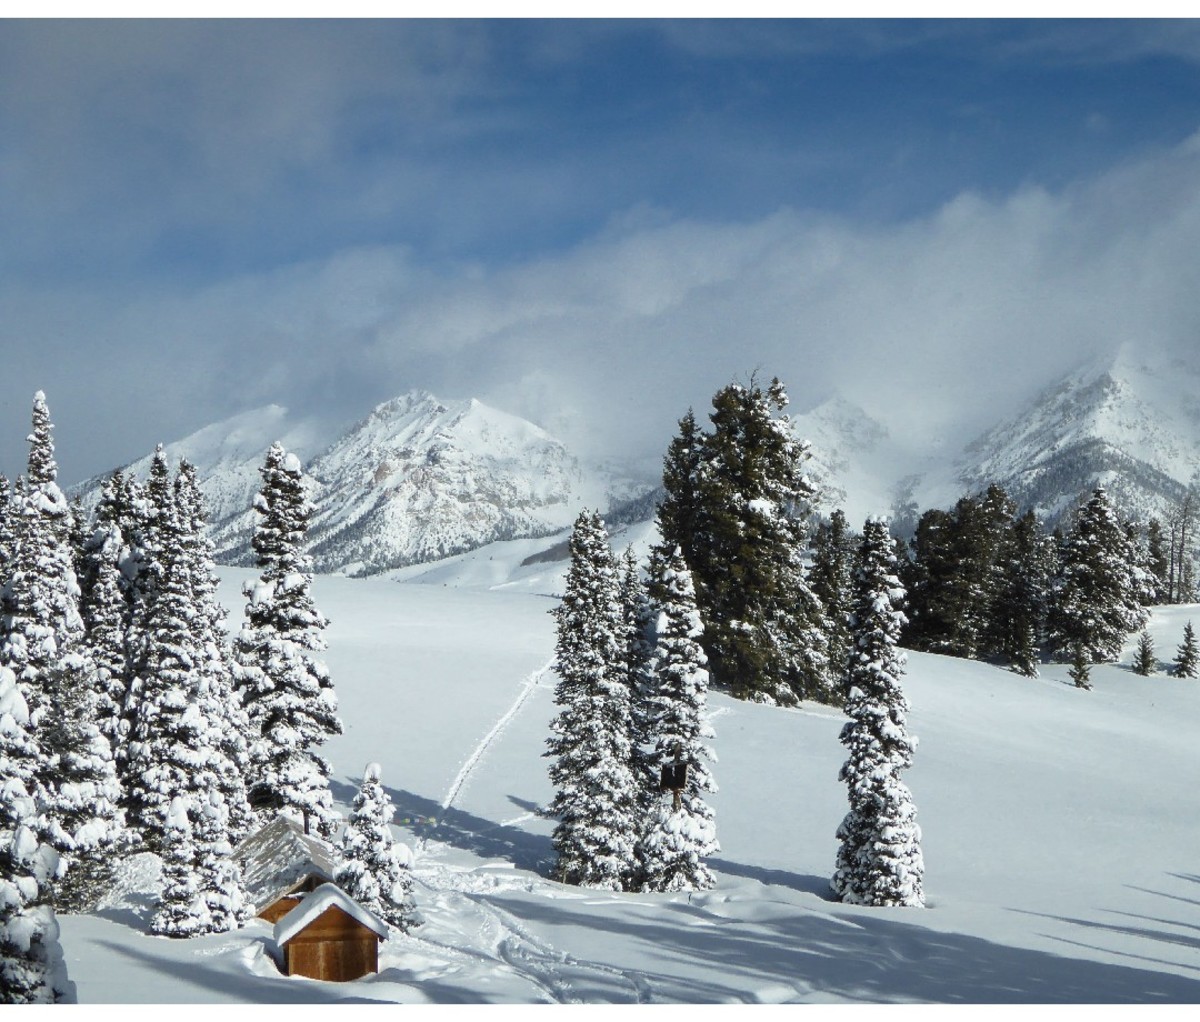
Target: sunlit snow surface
[(1061, 833)]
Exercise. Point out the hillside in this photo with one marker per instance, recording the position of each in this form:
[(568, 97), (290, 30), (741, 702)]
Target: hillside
[(1060, 832)]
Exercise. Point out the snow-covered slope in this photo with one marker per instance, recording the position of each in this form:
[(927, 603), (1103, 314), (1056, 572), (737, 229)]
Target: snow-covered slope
[(1059, 835), (1131, 422)]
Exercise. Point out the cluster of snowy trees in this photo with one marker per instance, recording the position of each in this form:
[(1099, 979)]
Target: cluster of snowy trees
[(631, 697), (985, 583), (728, 589), (128, 721)]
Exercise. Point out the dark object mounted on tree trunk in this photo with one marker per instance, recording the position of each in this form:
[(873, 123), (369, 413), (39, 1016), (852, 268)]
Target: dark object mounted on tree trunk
[(673, 777)]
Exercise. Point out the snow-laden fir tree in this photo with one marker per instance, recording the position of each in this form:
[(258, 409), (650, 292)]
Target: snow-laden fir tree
[(595, 798), (1096, 600), (1144, 661), (831, 577), (105, 609), (285, 688), (41, 621), (1158, 562), (1187, 656), (737, 503), (6, 527), (75, 784), (218, 875), (182, 911), (152, 532), (879, 861), (175, 760), (230, 722), (174, 735), (680, 830), (373, 869), (81, 796), (32, 969), (1018, 611), (637, 618)]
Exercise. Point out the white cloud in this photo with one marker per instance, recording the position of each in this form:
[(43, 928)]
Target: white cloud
[(940, 325)]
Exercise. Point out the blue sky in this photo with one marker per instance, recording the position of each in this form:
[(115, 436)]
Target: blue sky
[(592, 223)]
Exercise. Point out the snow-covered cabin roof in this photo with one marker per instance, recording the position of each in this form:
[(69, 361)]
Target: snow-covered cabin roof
[(312, 905), (278, 856)]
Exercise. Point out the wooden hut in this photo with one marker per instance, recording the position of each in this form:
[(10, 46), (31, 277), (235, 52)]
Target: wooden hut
[(329, 936), (280, 863)]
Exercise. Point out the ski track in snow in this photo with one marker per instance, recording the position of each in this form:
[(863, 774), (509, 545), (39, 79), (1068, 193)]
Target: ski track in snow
[(472, 760), (502, 937)]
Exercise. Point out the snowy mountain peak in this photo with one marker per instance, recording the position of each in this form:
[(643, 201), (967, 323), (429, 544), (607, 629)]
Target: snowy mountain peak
[(416, 480), (1130, 420)]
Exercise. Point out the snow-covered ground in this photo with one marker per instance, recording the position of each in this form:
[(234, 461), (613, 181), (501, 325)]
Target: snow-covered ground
[(1061, 833)]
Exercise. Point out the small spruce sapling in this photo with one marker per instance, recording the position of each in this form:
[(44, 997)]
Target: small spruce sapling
[(1081, 671), (1187, 657), (1144, 661)]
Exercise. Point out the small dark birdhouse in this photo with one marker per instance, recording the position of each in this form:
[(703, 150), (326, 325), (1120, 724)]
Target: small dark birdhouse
[(673, 777)]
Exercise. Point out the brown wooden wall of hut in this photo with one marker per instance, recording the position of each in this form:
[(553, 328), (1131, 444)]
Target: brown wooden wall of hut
[(279, 908), (334, 947)]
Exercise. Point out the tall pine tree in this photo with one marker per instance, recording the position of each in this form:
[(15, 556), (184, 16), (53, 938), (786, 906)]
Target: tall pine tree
[(1096, 603), (832, 578), (737, 504), (681, 830), (879, 861), (285, 688), (596, 793)]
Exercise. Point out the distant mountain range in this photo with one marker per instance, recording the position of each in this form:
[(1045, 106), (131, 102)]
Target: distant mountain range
[(416, 480), (1130, 422), (420, 479)]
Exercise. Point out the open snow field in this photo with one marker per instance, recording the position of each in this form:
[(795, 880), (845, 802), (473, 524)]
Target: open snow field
[(1061, 833)]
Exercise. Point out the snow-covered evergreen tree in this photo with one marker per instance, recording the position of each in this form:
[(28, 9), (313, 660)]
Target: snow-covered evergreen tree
[(595, 797), (1158, 561), (32, 969), (1144, 661), (739, 515), (41, 598), (1096, 600), (681, 828), (1187, 656), (637, 618), (6, 530), (182, 911), (81, 795), (1081, 670), (229, 721), (831, 577), (372, 870), (171, 743), (285, 689), (879, 861), (218, 875), (1018, 614), (75, 782), (105, 611)]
